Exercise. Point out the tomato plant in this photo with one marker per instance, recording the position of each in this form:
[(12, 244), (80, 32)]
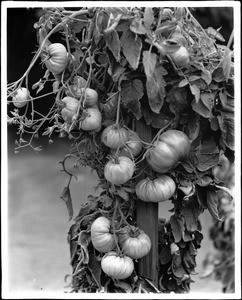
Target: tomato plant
[(113, 69)]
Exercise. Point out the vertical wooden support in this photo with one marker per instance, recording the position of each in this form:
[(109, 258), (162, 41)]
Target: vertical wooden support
[(147, 219)]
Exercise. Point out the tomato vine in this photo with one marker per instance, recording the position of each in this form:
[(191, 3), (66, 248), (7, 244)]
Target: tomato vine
[(111, 67)]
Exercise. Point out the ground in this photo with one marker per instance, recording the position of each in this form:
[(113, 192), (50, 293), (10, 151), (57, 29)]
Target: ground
[(38, 253)]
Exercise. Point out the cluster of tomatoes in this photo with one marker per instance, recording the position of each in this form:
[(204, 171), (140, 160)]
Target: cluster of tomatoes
[(133, 242)]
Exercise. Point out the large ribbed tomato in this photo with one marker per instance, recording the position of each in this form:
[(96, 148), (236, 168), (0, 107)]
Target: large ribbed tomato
[(101, 237), (134, 242), (172, 147), (56, 58), (157, 190), (119, 170), (20, 97), (114, 137), (92, 120), (117, 267)]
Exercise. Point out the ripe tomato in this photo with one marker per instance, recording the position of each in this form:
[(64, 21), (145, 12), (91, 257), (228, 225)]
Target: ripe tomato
[(157, 190), (56, 58), (92, 120), (181, 57), (75, 88), (20, 98), (89, 97), (134, 242), (119, 170), (102, 239), (117, 267), (173, 146), (114, 137)]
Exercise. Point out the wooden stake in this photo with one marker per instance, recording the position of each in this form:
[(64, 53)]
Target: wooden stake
[(147, 219)]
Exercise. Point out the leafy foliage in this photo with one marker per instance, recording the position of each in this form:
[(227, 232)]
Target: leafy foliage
[(124, 55)]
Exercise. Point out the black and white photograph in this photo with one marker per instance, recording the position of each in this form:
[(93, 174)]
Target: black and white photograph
[(121, 150)]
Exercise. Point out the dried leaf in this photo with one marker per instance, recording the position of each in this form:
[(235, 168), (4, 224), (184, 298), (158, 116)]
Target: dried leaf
[(131, 93), (66, 197), (123, 286), (177, 97), (212, 204), (177, 226), (215, 33), (190, 214), (165, 255), (131, 45), (155, 86), (226, 125), (177, 268)]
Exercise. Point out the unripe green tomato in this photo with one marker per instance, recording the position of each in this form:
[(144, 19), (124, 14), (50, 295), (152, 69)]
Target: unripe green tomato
[(21, 97), (220, 171), (181, 57), (92, 120), (114, 137), (71, 103)]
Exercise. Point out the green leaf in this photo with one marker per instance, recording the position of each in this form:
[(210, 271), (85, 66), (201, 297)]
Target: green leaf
[(226, 125), (113, 43), (195, 91), (226, 64), (218, 75), (207, 161), (123, 286), (183, 83), (155, 86), (214, 123), (177, 226), (83, 238), (212, 204), (131, 45), (204, 181), (215, 33), (137, 26), (223, 98), (122, 193), (201, 109), (206, 76), (131, 93), (66, 197), (148, 17), (155, 120), (177, 97), (149, 62)]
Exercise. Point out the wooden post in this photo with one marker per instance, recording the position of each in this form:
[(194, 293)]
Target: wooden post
[(147, 219)]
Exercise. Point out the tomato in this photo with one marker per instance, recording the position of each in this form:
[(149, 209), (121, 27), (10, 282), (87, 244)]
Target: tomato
[(132, 147), (157, 190), (76, 87), (89, 97), (179, 38), (119, 170), (67, 115), (134, 242), (181, 57), (71, 103), (117, 267), (173, 146), (56, 58), (21, 97), (102, 239), (220, 171), (114, 137), (92, 120), (110, 107)]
